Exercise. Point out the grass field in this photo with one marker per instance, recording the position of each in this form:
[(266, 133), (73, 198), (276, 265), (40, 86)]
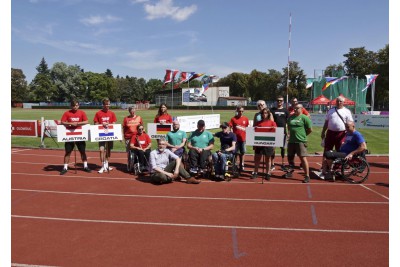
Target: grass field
[(377, 140)]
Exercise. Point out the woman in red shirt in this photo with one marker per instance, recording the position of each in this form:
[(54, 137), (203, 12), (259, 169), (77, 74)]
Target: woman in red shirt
[(141, 145), (162, 116), (266, 125)]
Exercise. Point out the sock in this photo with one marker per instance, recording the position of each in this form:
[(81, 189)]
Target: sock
[(85, 164), (106, 164), (66, 166)]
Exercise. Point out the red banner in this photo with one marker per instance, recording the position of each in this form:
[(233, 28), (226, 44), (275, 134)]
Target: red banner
[(24, 128)]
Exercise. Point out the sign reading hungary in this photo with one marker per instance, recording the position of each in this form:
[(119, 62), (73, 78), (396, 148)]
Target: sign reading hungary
[(264, 136)]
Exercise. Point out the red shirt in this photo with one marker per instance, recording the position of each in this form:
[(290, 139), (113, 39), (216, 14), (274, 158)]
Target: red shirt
[(164, 118), (267, 123), (130, 125), (71, 116), (102, 116), (239, 127), (144, 140)]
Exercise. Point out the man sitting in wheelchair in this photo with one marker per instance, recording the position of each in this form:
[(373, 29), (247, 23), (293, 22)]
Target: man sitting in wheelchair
[(176, 139), (354, 144), (228, 145), (200, 144), (140, 144)]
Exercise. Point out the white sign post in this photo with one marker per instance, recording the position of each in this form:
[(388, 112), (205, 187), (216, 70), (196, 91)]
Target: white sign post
[(262, 136), (99, 133), (72, 134)]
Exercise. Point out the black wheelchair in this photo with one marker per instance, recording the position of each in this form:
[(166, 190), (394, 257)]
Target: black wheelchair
[(232, 169), (355, 170), (133, 164)]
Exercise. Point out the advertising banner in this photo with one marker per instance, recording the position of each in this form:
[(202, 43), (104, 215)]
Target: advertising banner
[(265, 136), (99, 133), (27, 128), (72, 134)]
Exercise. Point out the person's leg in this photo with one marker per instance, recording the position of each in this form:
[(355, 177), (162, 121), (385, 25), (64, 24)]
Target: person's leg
[(215, 158), (68, 146), (160, 178), (193, 160), (102, 156), (304, 163), (223, 163), (257, 159), (204, 158), (82, 150)]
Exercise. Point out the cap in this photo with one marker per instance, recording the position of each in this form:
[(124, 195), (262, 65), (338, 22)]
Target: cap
[(201, 123), (224, 125)]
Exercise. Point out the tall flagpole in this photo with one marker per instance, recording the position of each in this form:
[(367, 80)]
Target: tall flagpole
[(287, 82), (172, 90)]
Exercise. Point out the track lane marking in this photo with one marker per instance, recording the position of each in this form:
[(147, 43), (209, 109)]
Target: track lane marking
[(379, 194)]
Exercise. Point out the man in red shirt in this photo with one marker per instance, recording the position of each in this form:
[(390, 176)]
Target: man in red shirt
[(238, 123), (293, 103), (105, 117), (71, 119)]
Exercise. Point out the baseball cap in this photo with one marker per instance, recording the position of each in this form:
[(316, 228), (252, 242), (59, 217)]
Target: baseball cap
[(224, 125)]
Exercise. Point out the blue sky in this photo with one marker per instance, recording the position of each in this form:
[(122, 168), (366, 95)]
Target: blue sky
[(142, 38)]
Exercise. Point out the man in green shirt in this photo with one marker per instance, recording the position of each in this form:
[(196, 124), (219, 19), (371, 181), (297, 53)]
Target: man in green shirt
[(176, 139), (200, 143), (299, 126)]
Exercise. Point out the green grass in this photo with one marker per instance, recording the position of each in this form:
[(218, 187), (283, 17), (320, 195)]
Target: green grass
[(377, 140)]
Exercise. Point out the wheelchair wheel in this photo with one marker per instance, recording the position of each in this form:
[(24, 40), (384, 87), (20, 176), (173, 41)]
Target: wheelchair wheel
[(131, 161), (356, 170)]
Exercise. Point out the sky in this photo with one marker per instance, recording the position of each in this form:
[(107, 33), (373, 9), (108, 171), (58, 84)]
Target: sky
[(143, 38)]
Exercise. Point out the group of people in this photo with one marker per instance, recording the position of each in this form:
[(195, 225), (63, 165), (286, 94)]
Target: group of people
[(166, 162)]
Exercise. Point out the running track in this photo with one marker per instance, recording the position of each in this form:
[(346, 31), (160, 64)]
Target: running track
[(115, 219)]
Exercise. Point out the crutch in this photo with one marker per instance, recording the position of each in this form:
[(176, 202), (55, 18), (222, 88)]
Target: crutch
[(263, 168), (75, 158)]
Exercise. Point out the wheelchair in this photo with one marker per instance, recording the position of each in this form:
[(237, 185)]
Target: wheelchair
[(355, 170), (133, 165), (232, 169), (208, 171)]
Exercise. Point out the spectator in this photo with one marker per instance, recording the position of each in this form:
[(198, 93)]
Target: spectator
[(281, 115), (293, 103), (258, 116)]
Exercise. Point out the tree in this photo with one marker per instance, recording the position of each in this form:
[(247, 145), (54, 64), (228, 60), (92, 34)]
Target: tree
[(42, 86), (334, 70), (19, 86), (360, 62), (67, 81), (382, 82), (297, 82), (238, 84)]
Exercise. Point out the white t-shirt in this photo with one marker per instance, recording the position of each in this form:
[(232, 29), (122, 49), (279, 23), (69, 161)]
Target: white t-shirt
[(335, 123)]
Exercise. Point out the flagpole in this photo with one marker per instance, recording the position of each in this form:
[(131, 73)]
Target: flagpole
[(172, 90), (355, 109), (372, 96), (287, 82)]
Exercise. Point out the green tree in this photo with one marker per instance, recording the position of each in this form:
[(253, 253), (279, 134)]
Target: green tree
[(297, 82), (334, 70), (19, 86), (238, 84), (151, 87), (382, 82), (360, 62), (67, 81), (42, 86)]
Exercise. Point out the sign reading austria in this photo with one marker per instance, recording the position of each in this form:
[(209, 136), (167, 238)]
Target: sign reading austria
[(72, 134), (99, 133), (264, 136)]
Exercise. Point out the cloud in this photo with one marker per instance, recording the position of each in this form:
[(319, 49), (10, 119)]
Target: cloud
[(139, 1), (97, 20), (165, 9)]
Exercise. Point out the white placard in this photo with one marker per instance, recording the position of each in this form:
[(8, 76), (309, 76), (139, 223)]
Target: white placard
[(72, 134), (259, 136), (189, 123), (158, 130), (98, 133)]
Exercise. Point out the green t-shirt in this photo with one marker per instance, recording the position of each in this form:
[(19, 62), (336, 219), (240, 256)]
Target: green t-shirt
[(297, 128), (176, 138), (201, 139)]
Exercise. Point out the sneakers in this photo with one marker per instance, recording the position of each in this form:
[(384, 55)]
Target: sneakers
[(101, 170), (110, 168), (306, 179), (87, 170), (253, 175), (268, 176), (64, 171), (272, 167), (193, 170), (192, 180)]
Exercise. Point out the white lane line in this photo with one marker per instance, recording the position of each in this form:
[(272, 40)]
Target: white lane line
[(30, 265), (201, 198), (375, 192), (203, 225), (16, 150)]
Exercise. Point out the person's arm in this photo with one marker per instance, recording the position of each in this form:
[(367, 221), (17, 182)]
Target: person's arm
[(361, 148), (148, 140), (324, 129), (183, 143)]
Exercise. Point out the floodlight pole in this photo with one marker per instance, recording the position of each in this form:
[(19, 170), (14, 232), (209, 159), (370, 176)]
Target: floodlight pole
[(287, 82)]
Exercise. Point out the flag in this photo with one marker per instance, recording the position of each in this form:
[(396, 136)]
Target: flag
[(107, 131), (209, 79), (185, 76), (205, 87), (309, 82), (333, 81), (163, 129), (74, 131), (195, 76), (370, 79), (264, 129), (170, 76)]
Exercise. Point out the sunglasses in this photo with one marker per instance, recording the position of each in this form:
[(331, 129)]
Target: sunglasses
[(280, 100)]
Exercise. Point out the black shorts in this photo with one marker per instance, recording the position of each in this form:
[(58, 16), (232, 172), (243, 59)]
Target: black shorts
[(69, 146), (110, 144), (264, 150)]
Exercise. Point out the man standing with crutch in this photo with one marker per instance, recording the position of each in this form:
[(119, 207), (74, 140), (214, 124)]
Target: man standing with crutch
[(72, 119), (105, 117)]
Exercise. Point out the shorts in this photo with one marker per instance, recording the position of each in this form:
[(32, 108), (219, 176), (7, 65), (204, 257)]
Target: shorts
[(240, 148), (110, 144), (297, 148), (264, 150), (69, 146)]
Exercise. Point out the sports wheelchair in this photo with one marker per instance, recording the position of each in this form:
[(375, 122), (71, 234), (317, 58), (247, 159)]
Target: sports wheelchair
[(231, 169), (355, 170), (133, 164)]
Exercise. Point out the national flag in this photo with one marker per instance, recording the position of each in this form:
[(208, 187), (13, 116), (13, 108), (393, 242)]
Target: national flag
[(195, 76), (163, 129), (333, 81), (170, 76), (185, 76), (264, 138), (370, 79), (74, 131), (205, 87), (309, 82), (106, 130)]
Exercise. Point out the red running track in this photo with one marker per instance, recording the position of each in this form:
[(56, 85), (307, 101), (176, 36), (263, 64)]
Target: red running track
[(116, 219)]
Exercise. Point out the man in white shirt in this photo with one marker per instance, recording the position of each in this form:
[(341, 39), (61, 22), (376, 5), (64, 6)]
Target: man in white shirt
[(165, 166)]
